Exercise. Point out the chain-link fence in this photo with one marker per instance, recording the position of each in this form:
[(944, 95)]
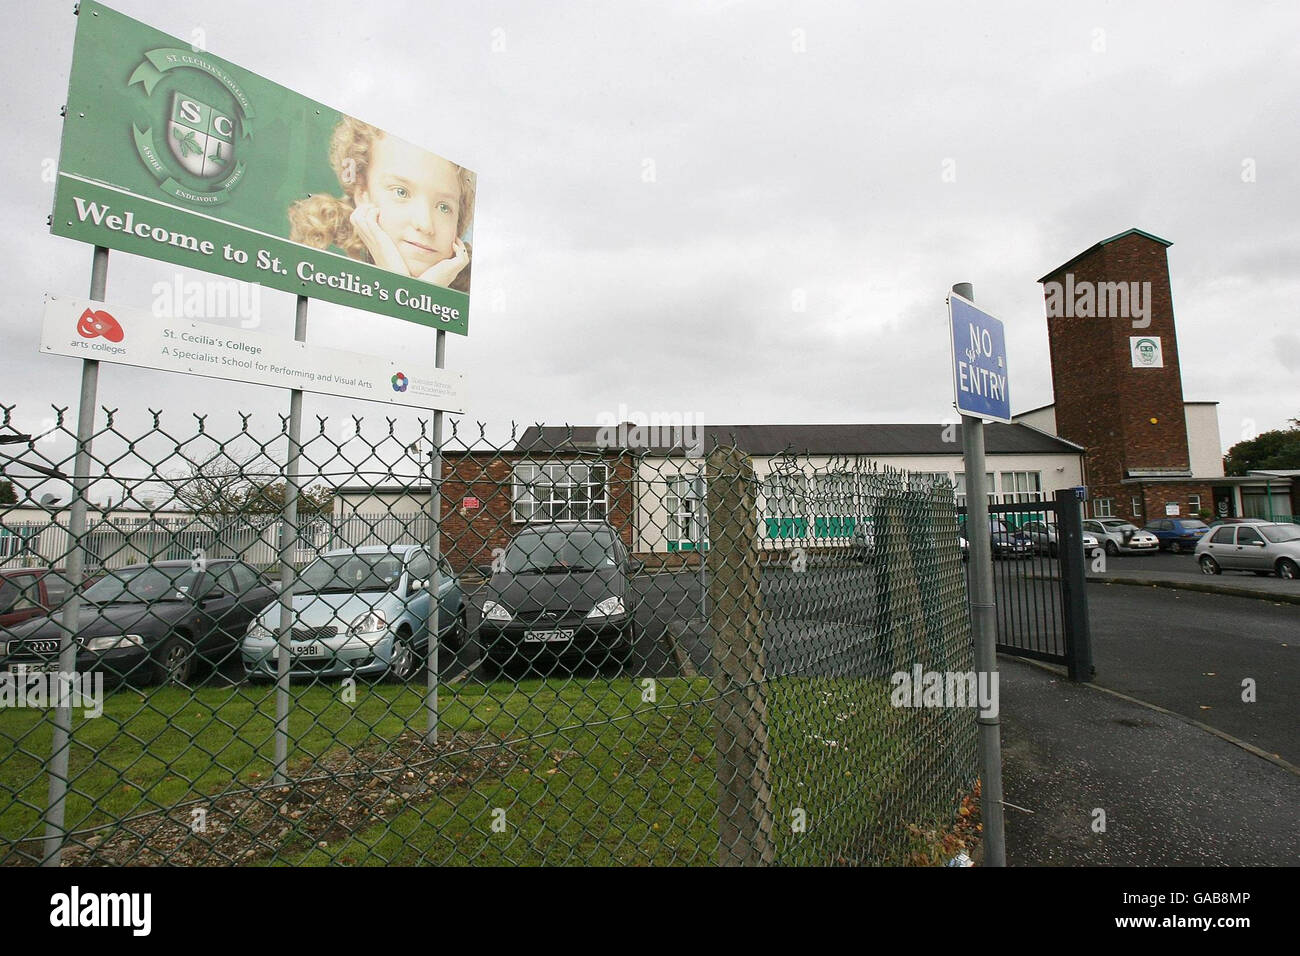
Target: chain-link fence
[(638, 655)]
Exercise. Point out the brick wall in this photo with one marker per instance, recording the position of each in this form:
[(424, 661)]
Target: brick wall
[(470, 535)]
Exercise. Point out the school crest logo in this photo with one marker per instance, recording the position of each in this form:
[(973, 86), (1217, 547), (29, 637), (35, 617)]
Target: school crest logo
[(199, 132)]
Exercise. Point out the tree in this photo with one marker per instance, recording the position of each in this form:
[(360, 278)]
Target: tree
[(268, 498), (1277, 449), (7, 495)]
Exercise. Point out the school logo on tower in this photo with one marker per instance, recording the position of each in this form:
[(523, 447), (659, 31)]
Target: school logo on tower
[(199, 131)]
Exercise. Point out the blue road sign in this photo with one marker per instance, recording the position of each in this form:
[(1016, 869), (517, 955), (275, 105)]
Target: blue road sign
[(979, 361)]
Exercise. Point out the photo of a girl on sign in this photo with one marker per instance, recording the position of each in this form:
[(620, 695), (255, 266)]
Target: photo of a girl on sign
[(404, 209)]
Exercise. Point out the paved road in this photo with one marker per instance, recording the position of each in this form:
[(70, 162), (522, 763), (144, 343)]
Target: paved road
[(1172, 793), (1189, 651)]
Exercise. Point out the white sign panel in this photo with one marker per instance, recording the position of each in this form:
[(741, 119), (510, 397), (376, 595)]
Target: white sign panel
[(1146, 351), (95, 330)]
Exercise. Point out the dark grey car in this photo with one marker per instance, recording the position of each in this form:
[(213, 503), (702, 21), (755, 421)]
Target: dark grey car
[(560, 594)]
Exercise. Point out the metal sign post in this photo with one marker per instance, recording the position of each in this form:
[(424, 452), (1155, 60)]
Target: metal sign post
[(288, 571), (435, 556), (977, 337), (62, 737)]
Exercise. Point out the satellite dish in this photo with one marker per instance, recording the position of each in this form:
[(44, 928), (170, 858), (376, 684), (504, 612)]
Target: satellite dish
[(49, 500)]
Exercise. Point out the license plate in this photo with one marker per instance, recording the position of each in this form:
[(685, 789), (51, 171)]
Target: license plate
[(307, 650), (51, 667), (548, 637)]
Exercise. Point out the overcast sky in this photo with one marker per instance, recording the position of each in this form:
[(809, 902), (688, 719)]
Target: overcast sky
[(660, 184)]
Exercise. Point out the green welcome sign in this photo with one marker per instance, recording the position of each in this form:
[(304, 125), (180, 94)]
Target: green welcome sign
[(172, 153)]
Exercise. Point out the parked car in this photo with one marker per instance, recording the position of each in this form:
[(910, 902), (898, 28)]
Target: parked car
[(1043, 536), (1177, 534), (1262, 548), (1008, 542), (359, 612), (154, 621), (561, 592), (30, 592), (1118, 536)]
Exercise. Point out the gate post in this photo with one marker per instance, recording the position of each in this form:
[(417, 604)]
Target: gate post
[(1074, 596)]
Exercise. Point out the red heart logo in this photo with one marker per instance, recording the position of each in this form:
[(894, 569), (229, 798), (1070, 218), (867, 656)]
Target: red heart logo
[(94, 324)]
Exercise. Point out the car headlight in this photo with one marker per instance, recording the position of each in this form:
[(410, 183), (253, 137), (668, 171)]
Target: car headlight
[(368, 623), (114, 641), (492, 611), (610, 607), (259, 631)]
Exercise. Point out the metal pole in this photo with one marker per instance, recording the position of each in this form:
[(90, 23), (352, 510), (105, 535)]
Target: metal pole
[(701, 515), (984, 625), (435, 555), (288, 571), (56, 806)]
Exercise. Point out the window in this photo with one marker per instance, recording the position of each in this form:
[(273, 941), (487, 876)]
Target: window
[(1136, 504), (560, 491), (785, 495), (1194, 505), (1223, 535), (685, 503), (1018, 486), (245, 578), (1248, 535), (959, 488), (56, 589), (419, 566), (1101, 507)]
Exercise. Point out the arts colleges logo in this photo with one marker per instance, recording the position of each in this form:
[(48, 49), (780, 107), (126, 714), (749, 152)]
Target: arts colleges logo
[(194, 144), (94, 323)]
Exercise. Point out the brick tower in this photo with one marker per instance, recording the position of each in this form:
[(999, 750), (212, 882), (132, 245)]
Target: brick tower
[(1116, 377)]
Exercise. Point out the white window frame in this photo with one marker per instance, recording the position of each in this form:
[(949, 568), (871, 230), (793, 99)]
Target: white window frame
[(1103, 507), (1194, 505), (685, 502), (1135, 503), (562, 479), (959, 488)]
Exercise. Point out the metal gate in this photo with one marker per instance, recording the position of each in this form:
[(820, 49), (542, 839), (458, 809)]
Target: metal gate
[(1039, 581)]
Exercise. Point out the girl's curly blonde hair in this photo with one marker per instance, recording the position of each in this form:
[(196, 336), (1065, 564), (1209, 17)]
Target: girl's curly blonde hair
[(322, 221)]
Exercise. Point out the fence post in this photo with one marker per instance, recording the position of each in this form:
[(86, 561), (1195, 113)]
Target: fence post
[(1074, 583), (739, 664), (61, 741)]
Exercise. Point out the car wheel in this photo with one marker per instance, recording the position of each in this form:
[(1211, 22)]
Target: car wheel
[(1286, 568), (1209, 565), (455, 638), (402, 660), (1112, 549), (174, 661)]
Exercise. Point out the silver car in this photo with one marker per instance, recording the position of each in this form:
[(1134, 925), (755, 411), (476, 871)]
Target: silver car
[(359, 612), (1262, 548), (1044, 537), (1118, 536)]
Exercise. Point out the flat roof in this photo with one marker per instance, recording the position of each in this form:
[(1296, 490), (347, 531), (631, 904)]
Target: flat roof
[(769, 440)]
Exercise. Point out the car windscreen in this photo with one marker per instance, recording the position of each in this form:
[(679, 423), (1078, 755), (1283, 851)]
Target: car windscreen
[(560, 551), (1194, 525), (1280, 533), (345, 573), (143, 585)]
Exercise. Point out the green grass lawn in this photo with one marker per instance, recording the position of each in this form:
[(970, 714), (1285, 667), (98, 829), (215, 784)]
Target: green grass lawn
[(578, 771)]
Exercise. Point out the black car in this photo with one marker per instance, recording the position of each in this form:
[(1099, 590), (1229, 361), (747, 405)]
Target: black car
[(151, 622), (560, 593)]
